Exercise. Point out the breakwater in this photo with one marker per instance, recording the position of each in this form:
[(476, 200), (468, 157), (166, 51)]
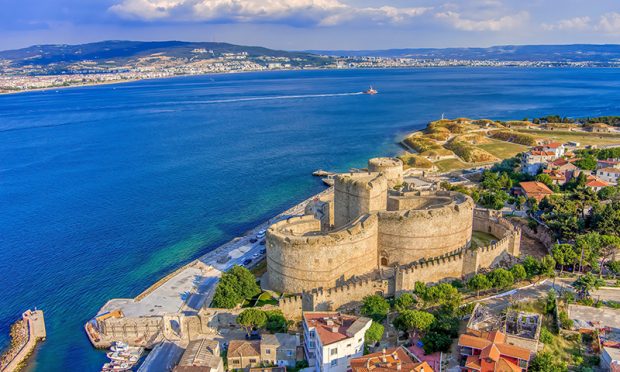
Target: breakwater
[(25, 333)]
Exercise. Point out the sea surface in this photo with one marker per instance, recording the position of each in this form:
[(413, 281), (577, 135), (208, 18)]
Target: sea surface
[(103, 190)]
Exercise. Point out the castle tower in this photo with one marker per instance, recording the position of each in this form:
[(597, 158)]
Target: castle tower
[(356, 194), (392, 169)]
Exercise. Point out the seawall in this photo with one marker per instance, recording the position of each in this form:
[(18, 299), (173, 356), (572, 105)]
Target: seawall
[(34, 330)]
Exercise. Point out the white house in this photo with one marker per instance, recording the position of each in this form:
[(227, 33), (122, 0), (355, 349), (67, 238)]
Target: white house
[(333, 339), (609, 175)]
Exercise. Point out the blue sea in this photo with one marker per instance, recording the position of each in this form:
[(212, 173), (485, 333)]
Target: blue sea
[(103, 190)]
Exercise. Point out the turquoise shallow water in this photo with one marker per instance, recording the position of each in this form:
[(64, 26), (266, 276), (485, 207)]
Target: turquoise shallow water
[(105, 189)]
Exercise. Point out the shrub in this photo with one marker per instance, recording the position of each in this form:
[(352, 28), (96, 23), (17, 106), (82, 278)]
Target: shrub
[(375, 307), (515, 137), (546, 337), (374, 334)]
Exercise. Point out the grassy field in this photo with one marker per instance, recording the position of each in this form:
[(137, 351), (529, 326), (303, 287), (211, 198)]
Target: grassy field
[(501, 149), (450, 164), (584, 138), (481, 239)]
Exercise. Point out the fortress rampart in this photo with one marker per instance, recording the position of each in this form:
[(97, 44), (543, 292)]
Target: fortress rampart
[(418, 226), (391, 168), (356, 194), (300, 257)]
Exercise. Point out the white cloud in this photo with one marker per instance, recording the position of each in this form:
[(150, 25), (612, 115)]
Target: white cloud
[(577, 23), (609, 23), (493, 24), (314, 12)]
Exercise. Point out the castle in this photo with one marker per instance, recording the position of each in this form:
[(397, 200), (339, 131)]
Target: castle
[(375, 236)]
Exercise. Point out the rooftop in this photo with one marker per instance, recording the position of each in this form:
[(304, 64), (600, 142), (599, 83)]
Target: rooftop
[(202, 353), (332, 327), (395, 359), (243, 348), (281, 340)]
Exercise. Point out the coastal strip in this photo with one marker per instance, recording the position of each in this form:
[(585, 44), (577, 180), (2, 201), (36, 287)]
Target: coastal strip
[(25, 334), (186, 290)]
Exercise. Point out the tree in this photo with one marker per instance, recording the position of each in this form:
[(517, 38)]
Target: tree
[(551, 301), (501, 278), (251, 318), (234, 286), (276, 322), (518, 272), (374, 334), (414, 320), (375, 307), (547, 362), (433, 342), (564, 254), (246, 281), (606, 219), (444, 295), (585, 283), (479, 282), (547, 265), (403, 302), (608, 249), (586, 163), (546, 179), (531, 266), (614, 267)]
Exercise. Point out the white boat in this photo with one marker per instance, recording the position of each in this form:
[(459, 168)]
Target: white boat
[(370, 90), (119, 346), (122, 356)]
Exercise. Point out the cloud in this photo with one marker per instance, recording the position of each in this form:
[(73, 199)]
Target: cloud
[(493, 24), (609, 23), (296, 12), (577, 23)]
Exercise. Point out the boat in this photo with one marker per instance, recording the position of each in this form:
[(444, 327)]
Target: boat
[(122, 357), (370, 90), (119, 346)]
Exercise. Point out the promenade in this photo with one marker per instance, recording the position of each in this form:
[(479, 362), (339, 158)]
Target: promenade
[(30, 331)]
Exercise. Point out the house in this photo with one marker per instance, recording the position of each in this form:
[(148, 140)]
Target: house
[(201, 356), (610, 359), (268, 369), (395, 359), (558, 177), (534, 160), (279, 349), (598, 128), (333, 339), (609, 175), (596, 184), (490, 353), (533, 189), (243, 354), (608, 163)]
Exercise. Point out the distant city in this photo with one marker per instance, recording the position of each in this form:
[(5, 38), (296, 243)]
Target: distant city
[(54, 66)]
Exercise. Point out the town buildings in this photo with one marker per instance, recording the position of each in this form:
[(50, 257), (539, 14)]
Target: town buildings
[(490, 352), (333, 339), (279, 349), (533, 189), (395, 359), (610, 175), (201, 356), (243, 354)]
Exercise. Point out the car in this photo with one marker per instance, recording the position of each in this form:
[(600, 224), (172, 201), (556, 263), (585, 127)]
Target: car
[(247, 261), (262, 242), (253, 240), (255, 255), (263, 251)]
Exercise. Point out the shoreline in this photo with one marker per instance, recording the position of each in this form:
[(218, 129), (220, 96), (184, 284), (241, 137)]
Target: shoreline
[(286, 70)]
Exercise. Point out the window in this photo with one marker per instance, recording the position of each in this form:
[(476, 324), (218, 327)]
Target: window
[(267, 351), (289, 353), (252, 360), (334, 351), (311, 334), (348, 345), (334, 362), (235, 361)]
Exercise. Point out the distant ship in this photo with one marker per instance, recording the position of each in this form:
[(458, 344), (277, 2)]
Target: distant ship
[(370, 91)]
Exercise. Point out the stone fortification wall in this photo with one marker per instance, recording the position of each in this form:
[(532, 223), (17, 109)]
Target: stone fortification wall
[(143, 331), (491, 222), (392, 169), (300, 257), (348, 295), (446, 267), (322, 208), (424, 225), (356, 194)]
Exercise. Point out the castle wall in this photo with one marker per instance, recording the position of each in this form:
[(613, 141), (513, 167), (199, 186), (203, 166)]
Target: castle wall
[(444, 268), (392, 169), (356, 194), (442, 224), (349, 295), (300, 258), (492, 222)]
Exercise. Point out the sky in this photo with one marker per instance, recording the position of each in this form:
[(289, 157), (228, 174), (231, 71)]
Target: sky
[(313, 24)]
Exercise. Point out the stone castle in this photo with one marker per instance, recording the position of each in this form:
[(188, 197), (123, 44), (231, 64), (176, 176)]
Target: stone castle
[(375, 236)]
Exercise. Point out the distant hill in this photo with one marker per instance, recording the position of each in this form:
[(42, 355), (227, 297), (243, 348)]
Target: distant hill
[(555, 53), (119, 52)]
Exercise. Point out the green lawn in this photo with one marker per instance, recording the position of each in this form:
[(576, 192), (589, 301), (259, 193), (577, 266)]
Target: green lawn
[(446, 165), (481, 239), (501, 149), (584, 138)]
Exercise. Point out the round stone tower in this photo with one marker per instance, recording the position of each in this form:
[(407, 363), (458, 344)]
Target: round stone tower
[(392, 169)]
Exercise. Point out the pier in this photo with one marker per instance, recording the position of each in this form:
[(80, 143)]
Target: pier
[(26, 333)]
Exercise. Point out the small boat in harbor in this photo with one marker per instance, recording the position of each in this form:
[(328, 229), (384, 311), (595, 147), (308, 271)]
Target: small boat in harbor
[(119, 346), (370, 90)]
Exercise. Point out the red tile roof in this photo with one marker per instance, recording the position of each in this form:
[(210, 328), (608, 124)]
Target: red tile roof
[(243, 348), (389, 360), (330, 326), (535, 189), (597, 183), (494, 354)]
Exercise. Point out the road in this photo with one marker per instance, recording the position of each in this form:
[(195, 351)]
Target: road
[(163, 358)]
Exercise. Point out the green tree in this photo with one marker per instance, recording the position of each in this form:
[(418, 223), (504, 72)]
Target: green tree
[(251, 318), (434, 342), (444, 295), (546, 179), (586, 283), (246, 281), (547, 362), (551, 301), (374, 334), (586, 163), (478, 282), (564, 255), (375, 307), (501, 278), (518, 272), (403, 302), (614, 267), (565, 321), (414, 320), (547, 266), (531, 266), (234, 286), (276, 322)]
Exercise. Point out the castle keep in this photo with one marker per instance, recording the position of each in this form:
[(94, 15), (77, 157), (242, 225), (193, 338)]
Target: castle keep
[(374, 236)]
